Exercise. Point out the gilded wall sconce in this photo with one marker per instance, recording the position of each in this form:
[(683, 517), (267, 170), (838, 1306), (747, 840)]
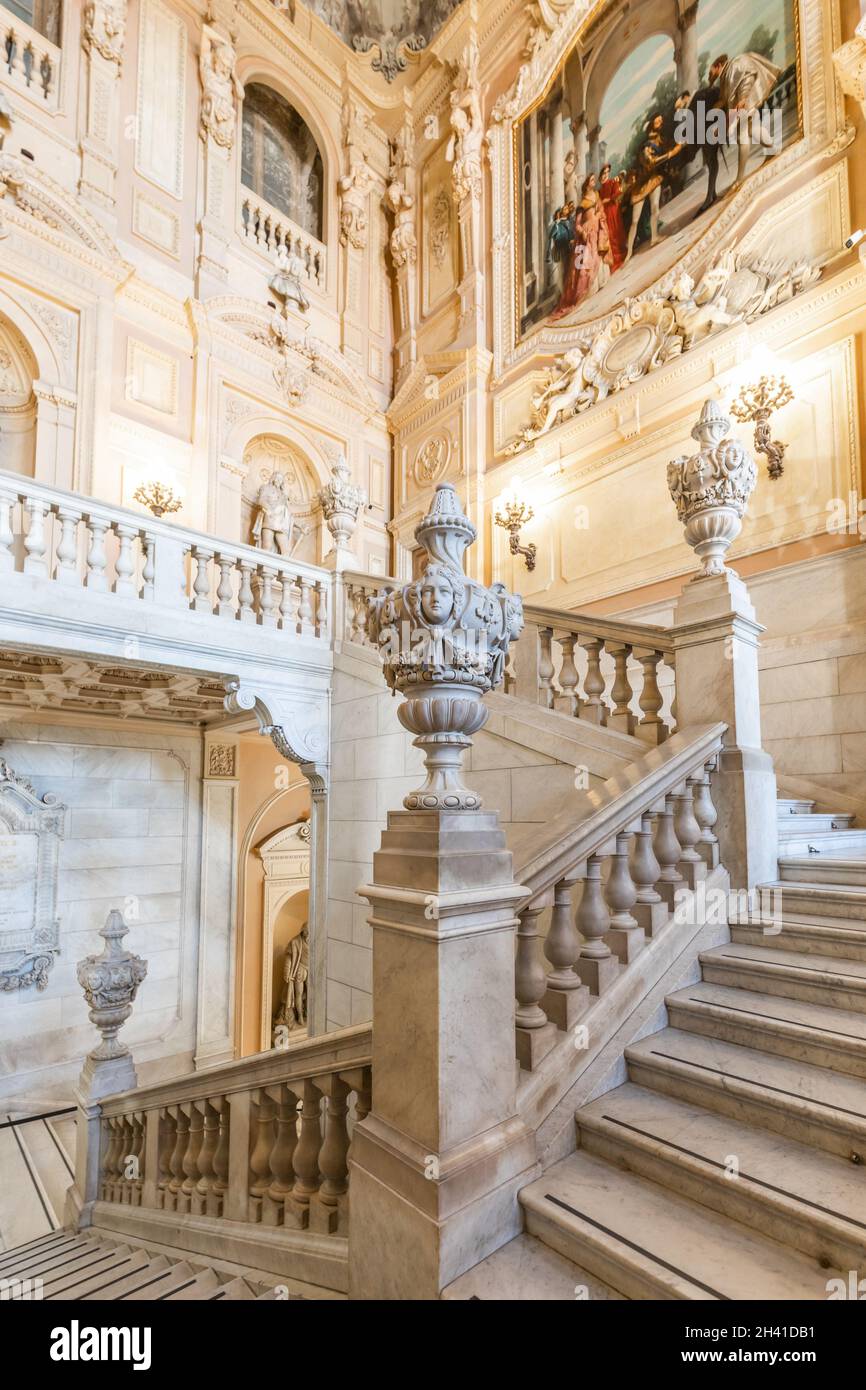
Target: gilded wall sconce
[(159, 498), (756, 402), (512, 513)]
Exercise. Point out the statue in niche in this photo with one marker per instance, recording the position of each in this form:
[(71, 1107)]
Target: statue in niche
[(286, 279), (220, 87), (276, 527), (292, 1010)]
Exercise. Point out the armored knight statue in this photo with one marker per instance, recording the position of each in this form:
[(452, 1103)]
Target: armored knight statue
[(275, 526), (292, 1010)]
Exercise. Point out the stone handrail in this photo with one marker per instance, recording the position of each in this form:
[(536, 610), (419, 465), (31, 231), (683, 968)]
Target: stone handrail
[(266, 229), (91, 546), (263, 1141), (28, 61), (647, 836)]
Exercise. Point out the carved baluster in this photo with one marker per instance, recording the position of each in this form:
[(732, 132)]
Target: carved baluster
[(176, 1163), (306, 1161), (190, 1158), (262, 1137), (202, 1197), (706, 816), (225, 606), (124, 565), (335, 1146), (34, 542), (220, 1159), (567, 997), (8, 501), (111, 1146), (267, 616), (167, 1141), (321, 609), (534, 1036), (651, 727), (96, 557), (201, 584), (67, 546), (246, 611), (509, 680), (621, 692), (148, 569), (649, 909), (596, 966), (594, 709), (136, 1154), (360, 1081), (625, 937), (670, 660), (667, 851), (349, 613), (688, 832), (568, 676), (282, 1154), (545, 668), (305, 607)]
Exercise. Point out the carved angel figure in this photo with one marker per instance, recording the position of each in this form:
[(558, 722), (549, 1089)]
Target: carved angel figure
[(466, 145), (566, 392), (220, 87)]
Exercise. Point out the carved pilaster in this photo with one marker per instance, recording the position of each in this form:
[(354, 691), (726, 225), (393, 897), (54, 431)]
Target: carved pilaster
[(103, 37)]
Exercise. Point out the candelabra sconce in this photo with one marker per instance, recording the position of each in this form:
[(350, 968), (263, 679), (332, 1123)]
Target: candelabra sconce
[(158, 498), (756, 403), (512, 513)]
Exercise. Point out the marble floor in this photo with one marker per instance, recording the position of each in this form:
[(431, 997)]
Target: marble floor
[(35, 1171)]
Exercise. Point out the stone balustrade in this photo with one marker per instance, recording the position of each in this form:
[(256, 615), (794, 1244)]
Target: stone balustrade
[(619, 675), (266, 229), (357, 589), (610, 883), (87, 548), (28, 61)]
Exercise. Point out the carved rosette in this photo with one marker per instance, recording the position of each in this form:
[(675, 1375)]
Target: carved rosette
[(340, 501), (443, 641), (711, 489), (110, 982)]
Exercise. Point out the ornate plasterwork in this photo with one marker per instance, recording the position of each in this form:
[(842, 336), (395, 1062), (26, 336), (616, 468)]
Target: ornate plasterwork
[(825, 135), (104, 29), (73, 685), (850, 63), (221, 760), (360, 176), (31, 828), (467, 142), (649, 333), (220, 87), (37, 194), (432, 460)]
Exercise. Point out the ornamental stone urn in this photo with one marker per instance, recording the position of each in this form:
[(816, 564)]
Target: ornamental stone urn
[(443, 641), (711, 489), (340, 501), (110, 982)]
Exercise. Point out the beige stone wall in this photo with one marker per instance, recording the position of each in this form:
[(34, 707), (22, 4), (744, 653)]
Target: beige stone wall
[(131, 841)]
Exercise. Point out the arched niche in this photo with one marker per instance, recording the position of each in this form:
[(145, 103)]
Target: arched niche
[(285, 858), (281, 161), (18, 371), (268, 453)]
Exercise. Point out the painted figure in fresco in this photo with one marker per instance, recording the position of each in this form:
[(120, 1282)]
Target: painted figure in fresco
[(705, 101), (560, 235), (589, 255), (292, 1011), (745, 82), (611, 191), (649, 175)]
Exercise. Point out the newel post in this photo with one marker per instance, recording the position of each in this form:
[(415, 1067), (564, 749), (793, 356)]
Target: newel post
[(716, 639), (437, 1164)]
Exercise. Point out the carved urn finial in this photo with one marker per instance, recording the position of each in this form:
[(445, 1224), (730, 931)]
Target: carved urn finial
[(712, 488), (110, 982), (443, 641), (340, 501)]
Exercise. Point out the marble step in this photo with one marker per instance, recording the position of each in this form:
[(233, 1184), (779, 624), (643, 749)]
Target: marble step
[(142, 1277), (822, 936), (793, 806), (52, 1261), (527, 1270), (808, 1103), (176, 1277), (813, 979), (234, 1290), (101, 1278), (202, 1287), (813, 1033), (836, 842), (812, 1201), (814, 900), (18, 1254), (651, 1243), (834, 868), (817, 822)]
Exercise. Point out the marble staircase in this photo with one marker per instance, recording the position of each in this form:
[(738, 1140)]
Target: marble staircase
[(89, 1266), (730, 1163), (37, 1147)]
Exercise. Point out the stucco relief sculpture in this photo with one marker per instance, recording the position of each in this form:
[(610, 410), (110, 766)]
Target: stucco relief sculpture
[(221, 88), (466, 145), (30, 831), (340, 501), (443, 641), (110, 983), (650, 332), (6, 118), (711, 489), (356, 183), (286, 280), (291, 1012), (400, 200), (104, 28), (276, 528), (849, 61)]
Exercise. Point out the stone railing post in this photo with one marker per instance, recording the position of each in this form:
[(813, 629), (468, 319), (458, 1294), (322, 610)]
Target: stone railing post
[(437, 1163), (716, 642), (110, 983)]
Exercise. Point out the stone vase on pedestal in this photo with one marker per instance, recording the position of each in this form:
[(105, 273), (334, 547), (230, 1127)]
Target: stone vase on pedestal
[(341, 501)]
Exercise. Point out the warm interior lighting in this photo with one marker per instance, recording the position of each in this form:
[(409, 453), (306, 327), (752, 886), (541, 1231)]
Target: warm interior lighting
[(766, 389), (513, 512), (159, 498)]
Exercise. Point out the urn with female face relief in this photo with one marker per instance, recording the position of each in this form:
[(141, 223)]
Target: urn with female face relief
[(443, 640), (711, 488)]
